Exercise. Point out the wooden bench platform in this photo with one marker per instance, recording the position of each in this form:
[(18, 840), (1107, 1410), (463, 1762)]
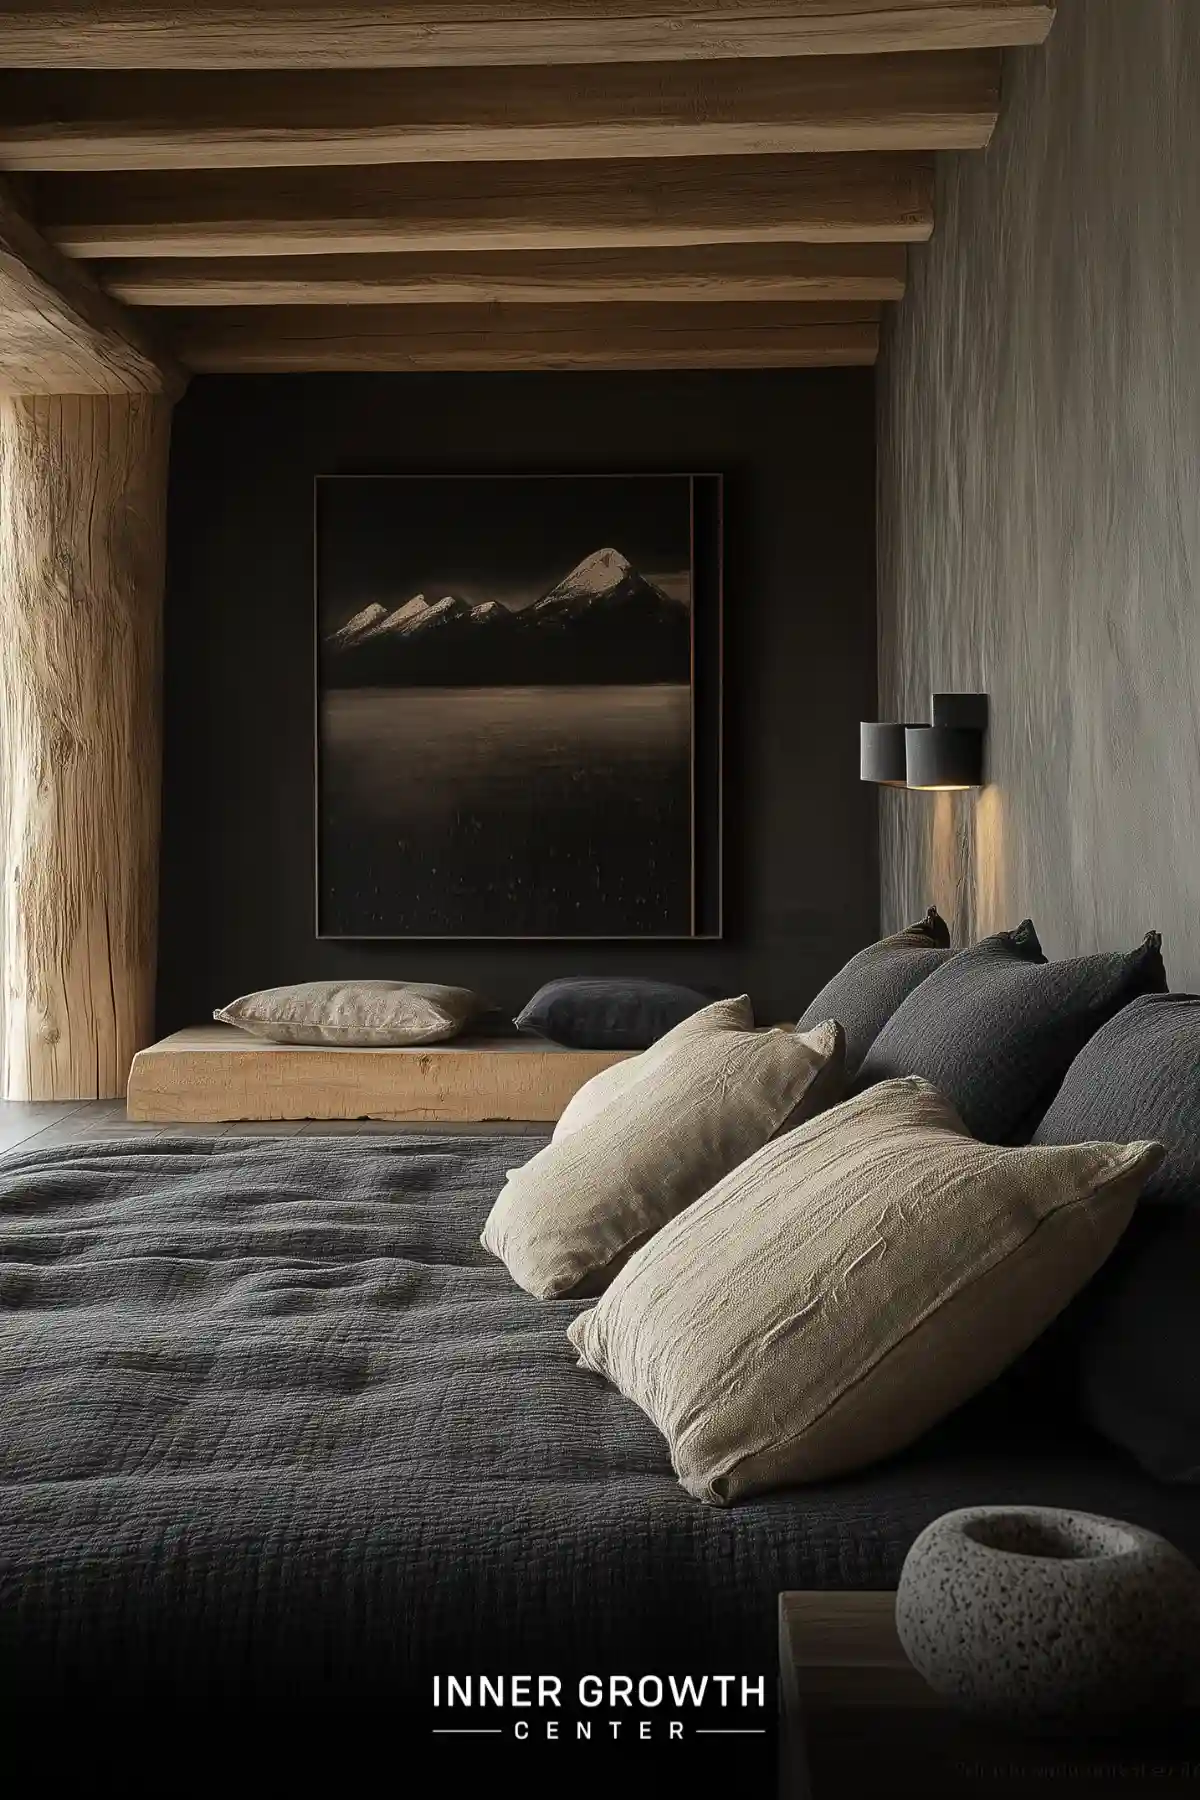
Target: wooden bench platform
[(216, 1072)]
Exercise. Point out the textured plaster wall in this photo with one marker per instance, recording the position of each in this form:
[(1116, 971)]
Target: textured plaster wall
[(1039, 469)]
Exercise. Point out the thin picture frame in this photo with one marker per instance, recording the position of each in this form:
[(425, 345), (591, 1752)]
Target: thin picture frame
[(707, 770)]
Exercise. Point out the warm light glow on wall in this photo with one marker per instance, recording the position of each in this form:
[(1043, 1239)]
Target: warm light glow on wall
[(990, 870)]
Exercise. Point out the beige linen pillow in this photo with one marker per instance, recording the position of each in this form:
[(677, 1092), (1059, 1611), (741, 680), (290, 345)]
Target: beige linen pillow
[(849, 1285), (355, 1014), (567, 1220), (610, 1084)]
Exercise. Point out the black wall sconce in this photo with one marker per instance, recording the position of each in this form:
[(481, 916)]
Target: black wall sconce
[(883, 754), (944, 756)]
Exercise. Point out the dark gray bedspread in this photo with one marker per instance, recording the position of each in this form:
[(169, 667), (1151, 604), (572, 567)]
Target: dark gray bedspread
[(272, 1421)]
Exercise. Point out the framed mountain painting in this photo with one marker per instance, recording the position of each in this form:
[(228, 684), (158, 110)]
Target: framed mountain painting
[(519, 706)]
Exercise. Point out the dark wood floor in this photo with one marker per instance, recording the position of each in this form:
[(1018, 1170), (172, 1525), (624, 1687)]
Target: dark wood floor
[(40, 1125)]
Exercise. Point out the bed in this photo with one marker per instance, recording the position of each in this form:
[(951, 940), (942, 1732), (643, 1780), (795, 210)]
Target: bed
[(273, 1424)]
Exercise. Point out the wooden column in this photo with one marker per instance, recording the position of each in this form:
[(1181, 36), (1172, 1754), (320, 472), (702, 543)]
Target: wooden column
[(82, 525)]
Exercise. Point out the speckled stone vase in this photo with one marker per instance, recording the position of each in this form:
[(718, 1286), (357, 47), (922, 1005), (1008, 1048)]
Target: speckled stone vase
[(1050, 1621)]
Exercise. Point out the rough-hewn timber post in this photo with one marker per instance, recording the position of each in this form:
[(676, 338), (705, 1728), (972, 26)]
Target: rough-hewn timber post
[(82, 526)]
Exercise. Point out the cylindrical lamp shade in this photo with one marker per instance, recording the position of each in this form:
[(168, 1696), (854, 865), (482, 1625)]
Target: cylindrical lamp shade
[(881, 755), (943, 756)]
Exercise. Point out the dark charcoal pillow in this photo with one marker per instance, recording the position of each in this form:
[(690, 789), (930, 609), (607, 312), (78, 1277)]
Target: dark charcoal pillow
[(997, 1027), (1128, 1349), (587, 1014), (864, 994)]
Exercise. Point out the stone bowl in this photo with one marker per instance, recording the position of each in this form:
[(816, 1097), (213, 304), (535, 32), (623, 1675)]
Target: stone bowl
[(1050, 1621)]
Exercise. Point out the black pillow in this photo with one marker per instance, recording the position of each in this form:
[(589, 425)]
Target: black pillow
[(592, 1014), (997, 1027), (864, 994), (1129, 1346)]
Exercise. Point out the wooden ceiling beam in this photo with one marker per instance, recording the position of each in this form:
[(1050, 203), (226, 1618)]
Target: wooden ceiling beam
[(720, 272), (59, 332), (140, 120), (205, 34), (490, 206), (267, 340)]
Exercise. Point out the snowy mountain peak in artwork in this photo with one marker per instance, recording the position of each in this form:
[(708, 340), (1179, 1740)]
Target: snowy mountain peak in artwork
[(400, 620), (606, 578), (447, 608), (596, 575), (603, 622), (359, 625)]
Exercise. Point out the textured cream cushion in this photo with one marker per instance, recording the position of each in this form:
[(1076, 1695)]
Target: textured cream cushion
[(610, 1084), (567, 1220), (849, 1285), (357, 1014)]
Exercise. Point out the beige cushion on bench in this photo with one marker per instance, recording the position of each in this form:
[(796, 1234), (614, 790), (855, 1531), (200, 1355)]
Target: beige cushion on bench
[(355, 1014)]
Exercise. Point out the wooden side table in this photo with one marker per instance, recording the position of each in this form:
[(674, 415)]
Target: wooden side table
[(856, 1719)]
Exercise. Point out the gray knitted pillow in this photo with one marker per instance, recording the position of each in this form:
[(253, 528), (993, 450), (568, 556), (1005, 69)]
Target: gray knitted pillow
[(1129, 1348), (864, 994), (997, 1027)]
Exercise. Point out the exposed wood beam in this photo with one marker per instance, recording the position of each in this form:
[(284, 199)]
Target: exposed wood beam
[(720, 272), (200, 34), (304, 338), (493, 206), (268, 119), (59, 332)]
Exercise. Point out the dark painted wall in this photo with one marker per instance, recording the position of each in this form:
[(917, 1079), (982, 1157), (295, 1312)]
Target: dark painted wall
[(797, 452)]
